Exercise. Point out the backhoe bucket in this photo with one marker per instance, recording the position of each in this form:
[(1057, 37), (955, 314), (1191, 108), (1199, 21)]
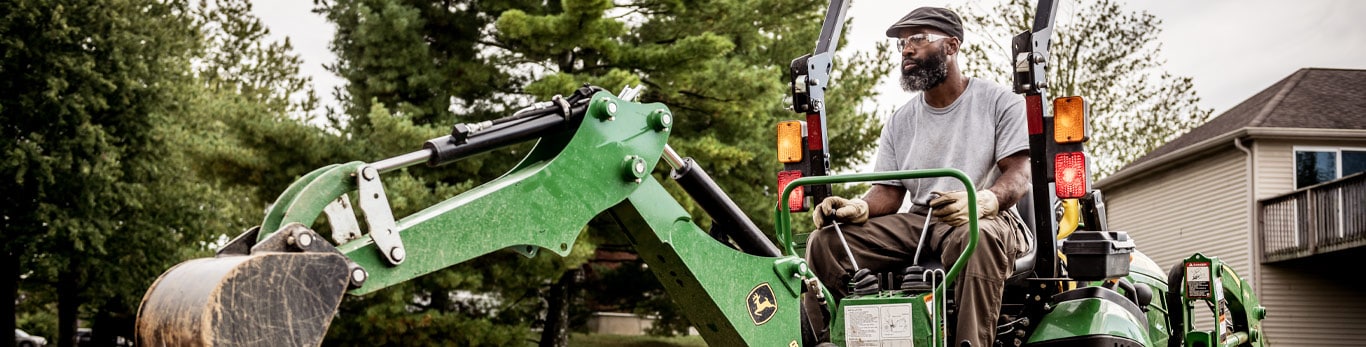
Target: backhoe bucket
[(262, 299)]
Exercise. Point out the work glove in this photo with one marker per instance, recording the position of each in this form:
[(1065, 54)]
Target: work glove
[(952, 207), (843, 210)]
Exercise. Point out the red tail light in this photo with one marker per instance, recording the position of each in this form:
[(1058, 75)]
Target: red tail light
[(797, 201), (1070, 175)]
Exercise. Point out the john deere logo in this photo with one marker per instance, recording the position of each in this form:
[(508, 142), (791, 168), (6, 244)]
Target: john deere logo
[(761, 304)]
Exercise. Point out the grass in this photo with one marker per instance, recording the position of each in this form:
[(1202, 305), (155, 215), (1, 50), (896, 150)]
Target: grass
[(604, 340)]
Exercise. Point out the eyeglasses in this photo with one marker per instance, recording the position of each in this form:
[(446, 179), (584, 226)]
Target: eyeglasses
[(919, 39)]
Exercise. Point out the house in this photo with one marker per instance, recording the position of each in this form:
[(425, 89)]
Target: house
[(1274, 187)]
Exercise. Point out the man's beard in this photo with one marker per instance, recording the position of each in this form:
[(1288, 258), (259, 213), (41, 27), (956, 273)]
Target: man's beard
[(927, 73)]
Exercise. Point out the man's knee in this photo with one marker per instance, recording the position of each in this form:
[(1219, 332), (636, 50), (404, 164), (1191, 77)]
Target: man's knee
[(993, 256), (991, 235), (819, 241), (821, 246)]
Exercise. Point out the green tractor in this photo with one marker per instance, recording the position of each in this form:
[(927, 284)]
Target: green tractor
[(280, 283)]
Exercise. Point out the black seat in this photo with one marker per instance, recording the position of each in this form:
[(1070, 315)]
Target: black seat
[(1024, 264)]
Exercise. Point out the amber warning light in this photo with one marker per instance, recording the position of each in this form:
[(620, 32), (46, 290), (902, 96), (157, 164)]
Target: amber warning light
[(790, 146), (1069, 120)]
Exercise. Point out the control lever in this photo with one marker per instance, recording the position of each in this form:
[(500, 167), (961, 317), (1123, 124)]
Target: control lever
[(914, 279), (863, 281)]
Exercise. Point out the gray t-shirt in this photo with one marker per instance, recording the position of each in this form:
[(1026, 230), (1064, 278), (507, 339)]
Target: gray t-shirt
[(986, 124)]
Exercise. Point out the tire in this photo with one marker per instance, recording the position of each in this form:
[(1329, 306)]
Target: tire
[(1176, 310), (26, 344)]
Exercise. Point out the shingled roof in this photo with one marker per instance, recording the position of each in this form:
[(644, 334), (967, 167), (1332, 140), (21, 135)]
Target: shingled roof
[(1311, 98)]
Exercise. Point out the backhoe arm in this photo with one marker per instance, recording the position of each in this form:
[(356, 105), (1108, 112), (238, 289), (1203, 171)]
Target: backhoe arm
[(281, 283)]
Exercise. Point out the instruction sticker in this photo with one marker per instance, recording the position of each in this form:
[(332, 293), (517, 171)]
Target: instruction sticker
[(1197, 280), (887, 325)]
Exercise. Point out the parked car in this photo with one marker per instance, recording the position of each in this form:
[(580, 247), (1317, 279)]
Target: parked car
[(82, 336), (23, 339)]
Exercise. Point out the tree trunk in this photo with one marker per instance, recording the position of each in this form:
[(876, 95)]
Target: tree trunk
[(9, 292), (113, 321), (68, 306), (556, 330)]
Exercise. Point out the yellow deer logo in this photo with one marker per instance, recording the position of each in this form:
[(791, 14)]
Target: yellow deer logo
[(762, 304)]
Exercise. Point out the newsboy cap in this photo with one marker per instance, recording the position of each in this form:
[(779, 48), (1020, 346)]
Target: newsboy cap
[(935, 17)]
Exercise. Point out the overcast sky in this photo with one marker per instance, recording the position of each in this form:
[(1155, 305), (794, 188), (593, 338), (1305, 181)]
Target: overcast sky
[(1231, 49)]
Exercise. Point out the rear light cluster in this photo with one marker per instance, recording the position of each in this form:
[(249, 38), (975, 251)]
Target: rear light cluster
[(792, 143), (1070, 177)]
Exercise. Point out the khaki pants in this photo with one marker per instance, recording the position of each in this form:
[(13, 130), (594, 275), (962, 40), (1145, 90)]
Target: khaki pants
[(887, 243)]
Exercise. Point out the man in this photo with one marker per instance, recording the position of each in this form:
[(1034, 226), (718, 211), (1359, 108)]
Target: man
[(958, 122)]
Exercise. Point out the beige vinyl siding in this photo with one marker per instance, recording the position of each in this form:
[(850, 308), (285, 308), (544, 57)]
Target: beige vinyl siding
[(1312, 304), (1195, 206), (1275, 168), (1309, 302)]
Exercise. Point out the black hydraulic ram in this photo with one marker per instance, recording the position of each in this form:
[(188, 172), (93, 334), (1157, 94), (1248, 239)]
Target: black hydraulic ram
[(726, 216), (459, 145), (467, 139)]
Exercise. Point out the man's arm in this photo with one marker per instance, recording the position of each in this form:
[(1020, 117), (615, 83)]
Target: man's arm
[(1014, 179), (884, 199)]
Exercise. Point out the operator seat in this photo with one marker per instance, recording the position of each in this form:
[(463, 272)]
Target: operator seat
[(1024, 264)]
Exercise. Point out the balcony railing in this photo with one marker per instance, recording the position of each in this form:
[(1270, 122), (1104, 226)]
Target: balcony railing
[(1314, 220)]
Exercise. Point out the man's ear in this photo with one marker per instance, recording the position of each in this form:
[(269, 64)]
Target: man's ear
[(951, 47)]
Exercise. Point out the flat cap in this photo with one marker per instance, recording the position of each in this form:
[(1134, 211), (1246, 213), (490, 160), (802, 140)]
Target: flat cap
[(935, 17)]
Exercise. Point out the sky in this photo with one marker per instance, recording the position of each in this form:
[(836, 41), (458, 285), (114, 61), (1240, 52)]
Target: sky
[(1230, 49)]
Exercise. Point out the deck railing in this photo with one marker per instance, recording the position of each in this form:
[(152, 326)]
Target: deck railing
[(1314, 220)]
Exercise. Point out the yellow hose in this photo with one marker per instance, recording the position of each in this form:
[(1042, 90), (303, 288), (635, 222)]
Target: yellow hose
[(1071, 217)]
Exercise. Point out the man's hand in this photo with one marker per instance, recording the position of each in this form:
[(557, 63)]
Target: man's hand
[(843, 210), (952, 207)]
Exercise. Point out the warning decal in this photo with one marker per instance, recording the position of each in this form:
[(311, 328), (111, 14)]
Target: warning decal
[(1197, 280)]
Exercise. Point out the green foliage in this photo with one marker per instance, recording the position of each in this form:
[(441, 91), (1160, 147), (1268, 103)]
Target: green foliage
[(96, 100), (40, 320), (1106, 54), (239, 61)]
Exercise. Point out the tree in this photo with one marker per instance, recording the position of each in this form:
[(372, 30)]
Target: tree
[(237, 60), (101, 199), (1106, 54), (719, 65)]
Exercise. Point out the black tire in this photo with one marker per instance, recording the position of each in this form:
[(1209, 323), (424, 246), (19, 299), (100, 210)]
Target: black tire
[(814, 333), (26, 344), (1176, 320)]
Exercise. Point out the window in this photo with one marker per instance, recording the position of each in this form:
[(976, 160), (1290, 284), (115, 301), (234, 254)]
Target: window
[(1322, 164)]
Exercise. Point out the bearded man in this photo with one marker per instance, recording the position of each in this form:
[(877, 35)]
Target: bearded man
[(954, 121)]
